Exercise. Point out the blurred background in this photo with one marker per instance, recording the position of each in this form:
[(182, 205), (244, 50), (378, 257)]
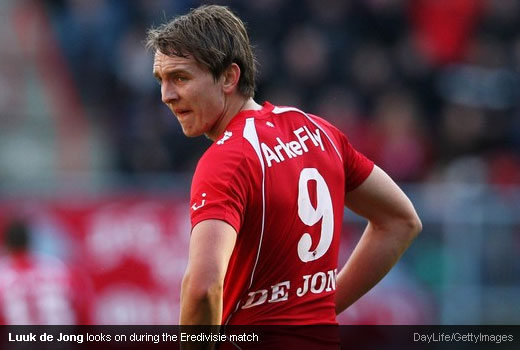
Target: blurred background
[(95, 171)]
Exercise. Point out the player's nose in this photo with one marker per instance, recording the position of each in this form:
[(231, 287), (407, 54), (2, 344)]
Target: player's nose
[(168, 93)]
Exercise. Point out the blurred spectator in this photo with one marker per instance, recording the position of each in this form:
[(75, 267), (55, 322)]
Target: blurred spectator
[(371, 69), (399, 142), (462, 130), (504, 172), (443, 28), (39, 290), (460, 59), (306, 55)]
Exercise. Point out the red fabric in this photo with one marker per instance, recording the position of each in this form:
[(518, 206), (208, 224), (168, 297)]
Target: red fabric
[(41, 290), (443, 28), (291, 160)]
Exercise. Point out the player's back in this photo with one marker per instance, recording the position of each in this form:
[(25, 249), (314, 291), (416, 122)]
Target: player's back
[(278, 176), (292, 223)]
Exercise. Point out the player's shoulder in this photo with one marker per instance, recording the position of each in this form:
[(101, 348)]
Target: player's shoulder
[(325, 124), (234, 143), (227, 153), (294, 112), (229, 145)]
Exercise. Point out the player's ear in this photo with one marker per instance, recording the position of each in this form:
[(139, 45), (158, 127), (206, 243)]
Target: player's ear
[(231, 77)]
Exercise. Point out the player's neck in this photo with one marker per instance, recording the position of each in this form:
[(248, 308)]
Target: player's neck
[(250, 105), (234, 107)]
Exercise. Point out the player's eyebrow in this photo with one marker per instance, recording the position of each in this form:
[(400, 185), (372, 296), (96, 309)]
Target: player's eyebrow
[(171, 72)]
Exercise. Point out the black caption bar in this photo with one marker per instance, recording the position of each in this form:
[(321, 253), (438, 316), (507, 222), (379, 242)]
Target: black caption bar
[(259, 337)]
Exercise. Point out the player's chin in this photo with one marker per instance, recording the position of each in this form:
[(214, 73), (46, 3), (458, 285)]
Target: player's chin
[(191, 132)]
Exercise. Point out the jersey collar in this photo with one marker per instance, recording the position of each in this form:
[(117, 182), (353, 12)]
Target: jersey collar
[(240, 116)]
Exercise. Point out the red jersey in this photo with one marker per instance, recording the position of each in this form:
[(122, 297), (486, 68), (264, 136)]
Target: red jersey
[(39, 290), (279, 177)]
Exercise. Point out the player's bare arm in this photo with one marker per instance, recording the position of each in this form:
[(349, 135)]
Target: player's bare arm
[(392, 225), (211, 245)]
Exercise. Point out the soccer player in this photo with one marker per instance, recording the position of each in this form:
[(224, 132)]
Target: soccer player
[(268, 196), (37, 289)]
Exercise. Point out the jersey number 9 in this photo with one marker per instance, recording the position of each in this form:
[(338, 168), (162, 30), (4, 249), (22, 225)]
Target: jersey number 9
[(310, 216)]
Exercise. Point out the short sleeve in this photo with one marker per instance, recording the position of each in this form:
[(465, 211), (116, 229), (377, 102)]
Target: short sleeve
[(219, 188), (357, 166)]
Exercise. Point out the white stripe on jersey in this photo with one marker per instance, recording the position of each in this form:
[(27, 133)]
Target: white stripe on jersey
[(280, 110), (250, 135)]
